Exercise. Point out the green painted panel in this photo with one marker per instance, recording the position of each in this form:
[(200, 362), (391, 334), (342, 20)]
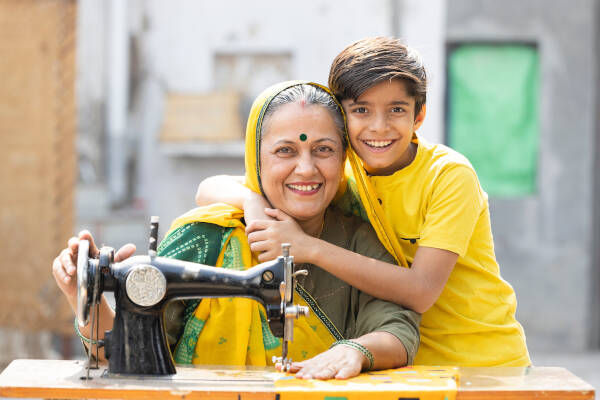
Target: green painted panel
[(493, 114)]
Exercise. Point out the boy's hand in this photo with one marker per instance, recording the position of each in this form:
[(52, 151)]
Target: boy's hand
[(266, 237)]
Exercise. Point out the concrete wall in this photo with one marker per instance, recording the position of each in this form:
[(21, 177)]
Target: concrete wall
[(180, 43), (423, 27), (91, 89), (595, 281), (543, 242)]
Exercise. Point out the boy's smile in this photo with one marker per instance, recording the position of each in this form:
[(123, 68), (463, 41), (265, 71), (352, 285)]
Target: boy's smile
[(381, 122)]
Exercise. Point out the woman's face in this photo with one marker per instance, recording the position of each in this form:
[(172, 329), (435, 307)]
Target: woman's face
[(301, 160)]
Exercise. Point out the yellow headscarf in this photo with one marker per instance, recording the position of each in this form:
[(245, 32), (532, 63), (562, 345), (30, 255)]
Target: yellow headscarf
[(234, 331)]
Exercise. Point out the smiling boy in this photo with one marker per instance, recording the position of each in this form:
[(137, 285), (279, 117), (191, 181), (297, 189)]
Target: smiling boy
[(431, 202)]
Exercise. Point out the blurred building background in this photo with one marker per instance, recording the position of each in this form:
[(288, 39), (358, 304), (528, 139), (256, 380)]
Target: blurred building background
[(162, 92)]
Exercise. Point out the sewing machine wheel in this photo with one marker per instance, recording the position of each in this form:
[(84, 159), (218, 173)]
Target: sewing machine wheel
[(84, 283)]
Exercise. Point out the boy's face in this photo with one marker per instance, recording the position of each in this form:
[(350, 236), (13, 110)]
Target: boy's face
[(381, 122)]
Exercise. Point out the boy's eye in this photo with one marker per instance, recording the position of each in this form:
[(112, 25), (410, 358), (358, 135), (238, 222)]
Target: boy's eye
[(397, 109), (360, 110)]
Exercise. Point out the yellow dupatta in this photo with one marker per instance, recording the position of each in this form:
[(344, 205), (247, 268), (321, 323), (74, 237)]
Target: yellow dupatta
[(234, 331), (355, 171)]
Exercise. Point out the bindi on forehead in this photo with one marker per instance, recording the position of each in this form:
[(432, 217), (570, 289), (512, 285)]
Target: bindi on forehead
[(303, 137)]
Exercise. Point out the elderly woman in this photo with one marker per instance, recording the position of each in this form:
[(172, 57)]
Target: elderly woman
[(295, 149)]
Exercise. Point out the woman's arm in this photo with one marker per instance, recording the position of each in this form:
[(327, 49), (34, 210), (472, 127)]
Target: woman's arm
[(231, 190), (64, 270), (417, 288), (343, 362)]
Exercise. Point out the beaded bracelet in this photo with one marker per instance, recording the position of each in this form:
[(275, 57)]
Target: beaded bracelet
[(359, 347), (78, 332)]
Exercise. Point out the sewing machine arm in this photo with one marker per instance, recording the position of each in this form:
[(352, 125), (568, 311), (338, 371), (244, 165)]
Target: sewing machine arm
[(143, 285)]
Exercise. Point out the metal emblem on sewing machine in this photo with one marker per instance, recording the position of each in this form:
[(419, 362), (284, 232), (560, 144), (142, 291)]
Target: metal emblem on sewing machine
[(143, 285)]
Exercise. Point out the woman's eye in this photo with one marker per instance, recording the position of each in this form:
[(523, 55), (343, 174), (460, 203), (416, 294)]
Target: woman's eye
[(359, 110), (324, 149), (284, 150)]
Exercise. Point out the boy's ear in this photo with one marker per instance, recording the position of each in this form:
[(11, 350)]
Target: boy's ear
[(420, 117)]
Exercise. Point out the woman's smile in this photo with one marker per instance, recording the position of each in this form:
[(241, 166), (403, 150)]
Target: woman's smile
[(304, 188)]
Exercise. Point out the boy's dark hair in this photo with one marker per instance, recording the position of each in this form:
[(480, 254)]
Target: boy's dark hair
[(370, 61)]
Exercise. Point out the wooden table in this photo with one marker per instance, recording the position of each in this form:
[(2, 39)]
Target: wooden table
[(62, 379)]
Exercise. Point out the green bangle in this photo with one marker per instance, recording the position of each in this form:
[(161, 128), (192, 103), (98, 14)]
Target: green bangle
[(78, 332), (359, 347)]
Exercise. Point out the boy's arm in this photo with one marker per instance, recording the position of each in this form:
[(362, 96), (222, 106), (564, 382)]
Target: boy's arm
[(417, 288), (453, 211), (230, 189)]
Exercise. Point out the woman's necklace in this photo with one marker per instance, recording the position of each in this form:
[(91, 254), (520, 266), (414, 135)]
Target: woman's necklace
[(321, 229), (322, 225)]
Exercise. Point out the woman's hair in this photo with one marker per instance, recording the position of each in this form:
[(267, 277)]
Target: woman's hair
[(370, 61), (309, 95)]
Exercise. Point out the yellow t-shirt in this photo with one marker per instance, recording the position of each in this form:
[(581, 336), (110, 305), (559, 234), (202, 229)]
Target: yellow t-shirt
[(437, 201)]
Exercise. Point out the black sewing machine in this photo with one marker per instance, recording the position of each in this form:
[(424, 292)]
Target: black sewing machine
[(143, 285)]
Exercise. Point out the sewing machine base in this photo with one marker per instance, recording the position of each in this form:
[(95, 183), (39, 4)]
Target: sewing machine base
[(214, 375), (61, 379)]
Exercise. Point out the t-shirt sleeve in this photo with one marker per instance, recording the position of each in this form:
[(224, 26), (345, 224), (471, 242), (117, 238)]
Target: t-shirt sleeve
[(455, 206), (375, 315)]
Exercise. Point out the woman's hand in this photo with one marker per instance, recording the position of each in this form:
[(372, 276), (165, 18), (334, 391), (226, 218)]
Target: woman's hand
[(339, 362), (266, 237), (64, 267)]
